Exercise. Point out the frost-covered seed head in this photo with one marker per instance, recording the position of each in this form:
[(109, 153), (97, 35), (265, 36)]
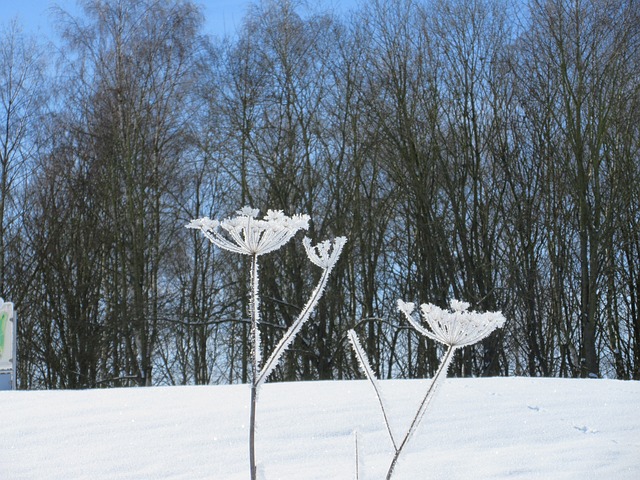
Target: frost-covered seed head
[(325, 254), (457, 327), (204, 223), (406, 307), (247, 234), (458, 305)]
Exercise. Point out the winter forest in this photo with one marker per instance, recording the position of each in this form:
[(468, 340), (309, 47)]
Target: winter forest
[(485, 150)]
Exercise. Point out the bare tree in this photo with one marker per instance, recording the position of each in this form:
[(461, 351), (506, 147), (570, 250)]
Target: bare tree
[(22, 104), (586, 47)]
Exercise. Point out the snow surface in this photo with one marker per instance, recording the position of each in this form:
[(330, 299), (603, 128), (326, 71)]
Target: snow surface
[(497, 428)]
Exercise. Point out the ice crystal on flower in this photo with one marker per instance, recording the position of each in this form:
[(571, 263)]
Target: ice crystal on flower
[(325, 254), (204, 223), (247, 234), (458, 305), (406, 307), (456, 328), (248, 212)]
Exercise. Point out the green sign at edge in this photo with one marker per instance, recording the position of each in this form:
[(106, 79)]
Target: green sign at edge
[(4, 316)]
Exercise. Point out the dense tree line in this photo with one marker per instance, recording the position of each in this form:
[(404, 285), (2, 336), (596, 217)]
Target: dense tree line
[(476, 149)]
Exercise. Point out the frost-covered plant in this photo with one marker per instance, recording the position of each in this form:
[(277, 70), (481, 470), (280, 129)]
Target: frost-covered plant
[(455, 328), (248, 235)]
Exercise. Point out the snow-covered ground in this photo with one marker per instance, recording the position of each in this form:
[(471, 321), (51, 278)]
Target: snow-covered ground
[(498, 428)]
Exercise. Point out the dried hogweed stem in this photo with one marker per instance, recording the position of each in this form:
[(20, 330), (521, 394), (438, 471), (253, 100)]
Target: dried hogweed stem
[(455, 328)]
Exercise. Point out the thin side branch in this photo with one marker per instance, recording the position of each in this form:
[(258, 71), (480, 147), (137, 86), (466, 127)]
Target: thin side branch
[(293, 330), (357, 472), (363, 360)]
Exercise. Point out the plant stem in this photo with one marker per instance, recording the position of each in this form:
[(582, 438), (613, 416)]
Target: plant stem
[(366, 367), (252, 433), (357, 473), (437, 378), (293, 330), (255, 357)]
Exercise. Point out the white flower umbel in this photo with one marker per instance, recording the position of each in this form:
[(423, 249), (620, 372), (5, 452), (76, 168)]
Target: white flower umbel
[(325, 254), (455, 328), (248, 235)]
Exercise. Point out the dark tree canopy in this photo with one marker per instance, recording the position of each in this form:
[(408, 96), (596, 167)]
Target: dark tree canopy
[(480, 150)]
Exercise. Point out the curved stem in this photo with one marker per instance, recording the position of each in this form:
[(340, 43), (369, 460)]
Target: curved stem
[(293, 330), (437, 378), (366, 367)]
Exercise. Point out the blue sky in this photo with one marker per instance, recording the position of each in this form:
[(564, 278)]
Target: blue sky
[(222, 16)]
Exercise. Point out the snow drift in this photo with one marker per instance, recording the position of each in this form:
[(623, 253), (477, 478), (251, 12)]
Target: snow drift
[(498, 428)]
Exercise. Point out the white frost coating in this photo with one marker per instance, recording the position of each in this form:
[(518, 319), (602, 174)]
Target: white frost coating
[(459, 305), (324, 255), (248, 235), (406, 307), (363, 361), (256, 348), (457, 327)]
